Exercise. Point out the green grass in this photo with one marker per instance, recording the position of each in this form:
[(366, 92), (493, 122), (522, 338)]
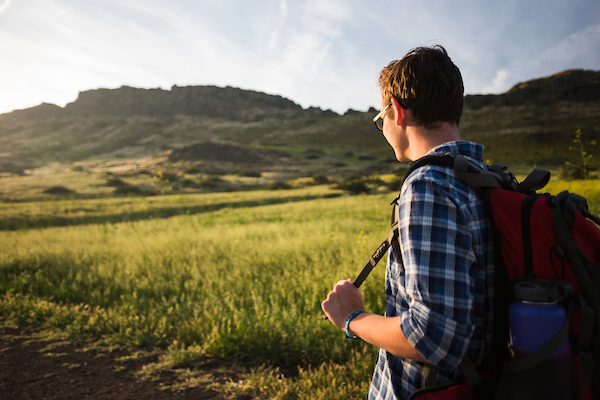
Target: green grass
[(69, 211), (237, 281)]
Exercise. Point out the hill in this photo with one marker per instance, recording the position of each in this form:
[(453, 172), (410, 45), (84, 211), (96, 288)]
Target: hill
[(576, 86), (534, 122)]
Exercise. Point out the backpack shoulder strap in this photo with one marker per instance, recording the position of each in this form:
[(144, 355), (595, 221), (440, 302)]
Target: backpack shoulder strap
[(537, 179), (466, 170), (497, 177), (564, 209), (474, 175)]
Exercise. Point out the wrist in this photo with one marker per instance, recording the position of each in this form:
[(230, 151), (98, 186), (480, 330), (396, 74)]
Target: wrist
[(347, 325)]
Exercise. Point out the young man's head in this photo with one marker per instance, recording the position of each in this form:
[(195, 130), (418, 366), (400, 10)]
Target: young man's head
[(426, 81)]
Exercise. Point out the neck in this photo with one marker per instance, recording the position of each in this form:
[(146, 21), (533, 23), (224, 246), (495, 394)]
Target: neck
[(422, 140)]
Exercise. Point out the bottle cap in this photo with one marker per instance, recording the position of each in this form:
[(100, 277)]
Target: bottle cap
[(542, 291)]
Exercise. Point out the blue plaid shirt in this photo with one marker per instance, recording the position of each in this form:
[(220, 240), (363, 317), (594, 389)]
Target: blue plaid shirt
[(442, 287)]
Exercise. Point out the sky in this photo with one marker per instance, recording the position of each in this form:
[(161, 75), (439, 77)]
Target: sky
[(319, 53)]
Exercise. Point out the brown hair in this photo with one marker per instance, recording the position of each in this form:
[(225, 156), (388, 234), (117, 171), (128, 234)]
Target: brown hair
[(426, 81)]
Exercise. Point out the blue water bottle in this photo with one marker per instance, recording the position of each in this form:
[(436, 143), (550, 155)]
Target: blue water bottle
[(535, 316)]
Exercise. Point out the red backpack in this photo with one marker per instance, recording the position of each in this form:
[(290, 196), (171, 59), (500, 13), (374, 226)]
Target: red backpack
[(545, 245)]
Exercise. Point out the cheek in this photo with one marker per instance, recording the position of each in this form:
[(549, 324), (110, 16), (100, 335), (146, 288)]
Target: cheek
[(391, 137)]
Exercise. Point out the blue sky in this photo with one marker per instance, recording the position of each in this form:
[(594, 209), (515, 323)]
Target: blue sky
[(323, 53)]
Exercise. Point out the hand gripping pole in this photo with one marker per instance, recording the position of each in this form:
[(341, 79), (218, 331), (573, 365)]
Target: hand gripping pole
[(376, 257)]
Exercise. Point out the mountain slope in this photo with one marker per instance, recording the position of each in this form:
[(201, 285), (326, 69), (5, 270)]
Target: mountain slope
[(534, 122)]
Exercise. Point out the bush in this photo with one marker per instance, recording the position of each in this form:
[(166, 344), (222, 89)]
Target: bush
[(192, 171), (116, 182), (128, 190), (394, 185), (169, 176), (250, 174), (320, 179), (280, 186), (188, 183), (571, 173), (210, 181), (583, 157), (356, 187), (366, 157), (58, 190), (359, 185)]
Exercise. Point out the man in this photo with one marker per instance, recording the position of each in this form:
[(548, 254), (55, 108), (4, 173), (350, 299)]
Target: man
[(439, 291)]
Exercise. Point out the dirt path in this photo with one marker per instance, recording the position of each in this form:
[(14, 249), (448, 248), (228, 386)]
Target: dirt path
[(66, 372)]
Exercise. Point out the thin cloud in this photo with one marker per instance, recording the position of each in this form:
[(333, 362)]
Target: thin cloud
[(317, 53), (4, 6), (60, 12), (580, 48), (499, 84), (275, 35), (304, 58)]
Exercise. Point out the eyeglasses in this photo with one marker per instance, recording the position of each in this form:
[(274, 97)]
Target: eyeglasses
[(379, 118)]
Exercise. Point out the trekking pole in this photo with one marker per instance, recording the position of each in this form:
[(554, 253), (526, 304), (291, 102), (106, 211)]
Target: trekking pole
[(375, 258)]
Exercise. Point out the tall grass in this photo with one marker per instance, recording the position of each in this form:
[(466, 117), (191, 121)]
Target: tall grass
[(241, 284), (60, 212), (238, 280)]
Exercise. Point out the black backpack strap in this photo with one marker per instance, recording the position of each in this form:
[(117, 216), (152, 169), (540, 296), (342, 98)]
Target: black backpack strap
[(383, 247), (537, 179), (563, 213), (542, 353), (469, 371), (429, 375), (394, 227), (468, 171), (447, 160), (583, 345), (475, 176)]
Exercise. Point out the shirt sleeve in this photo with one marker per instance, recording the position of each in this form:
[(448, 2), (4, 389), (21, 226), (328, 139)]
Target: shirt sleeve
[(437, 254)]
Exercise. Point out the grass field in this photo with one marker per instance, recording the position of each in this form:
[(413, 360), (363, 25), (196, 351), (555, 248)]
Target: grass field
[(234, 279)]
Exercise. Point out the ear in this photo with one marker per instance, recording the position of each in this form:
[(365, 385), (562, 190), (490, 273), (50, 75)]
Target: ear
[(400, 112)]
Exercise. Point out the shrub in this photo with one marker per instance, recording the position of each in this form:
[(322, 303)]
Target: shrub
[(250, 174), (169, 176), (116, 182), (356, 187), (192, 171), (320, 179), (571, 173), (394, 185), (188, 183), (280, 186), (210, 181), (359, 185), (583, 157), (58, 190), (128, 190)]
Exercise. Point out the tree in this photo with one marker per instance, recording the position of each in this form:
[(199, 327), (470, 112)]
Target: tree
[(583, 163)]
